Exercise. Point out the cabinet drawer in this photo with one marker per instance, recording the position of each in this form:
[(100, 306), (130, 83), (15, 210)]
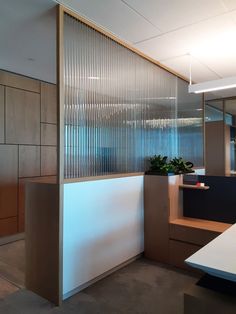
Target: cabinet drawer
[(192, 235), (179, 252)]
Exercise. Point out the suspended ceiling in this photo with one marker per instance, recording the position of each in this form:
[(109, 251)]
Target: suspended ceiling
[(170, 31), (174, 32)]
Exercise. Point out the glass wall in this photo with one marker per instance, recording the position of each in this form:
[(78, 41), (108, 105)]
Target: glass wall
[(190, 125), (120, 109)]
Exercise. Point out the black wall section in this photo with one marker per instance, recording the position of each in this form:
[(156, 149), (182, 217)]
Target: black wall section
[(218, 203)]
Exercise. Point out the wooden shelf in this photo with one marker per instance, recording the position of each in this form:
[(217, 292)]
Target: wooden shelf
[(209, 225), (194, 187)]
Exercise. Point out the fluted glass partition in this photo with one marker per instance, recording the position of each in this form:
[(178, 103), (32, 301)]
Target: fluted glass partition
[(119, 108), (190, 125)]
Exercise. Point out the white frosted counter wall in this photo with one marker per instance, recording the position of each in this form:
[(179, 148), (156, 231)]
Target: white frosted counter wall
[(102, 227)]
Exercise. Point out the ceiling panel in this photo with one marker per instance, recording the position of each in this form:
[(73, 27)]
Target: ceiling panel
[(219, 51), (191, 39), (116, 17), (172, 14), (233, 15), (230, 4), (223, 67), (182, 65)]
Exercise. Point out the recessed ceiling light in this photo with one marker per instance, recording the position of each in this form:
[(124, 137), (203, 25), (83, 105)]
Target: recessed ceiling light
[(31, 59)]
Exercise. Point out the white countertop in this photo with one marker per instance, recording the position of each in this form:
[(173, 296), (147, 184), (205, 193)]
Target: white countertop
[(218, 258)]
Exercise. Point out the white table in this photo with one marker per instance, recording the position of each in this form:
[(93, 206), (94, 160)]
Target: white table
[(218, 258)]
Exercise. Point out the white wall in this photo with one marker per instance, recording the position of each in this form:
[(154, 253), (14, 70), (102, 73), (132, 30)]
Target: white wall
[(103, 227)]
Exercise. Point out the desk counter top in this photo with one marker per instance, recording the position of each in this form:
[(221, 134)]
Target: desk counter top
[(218, 258)]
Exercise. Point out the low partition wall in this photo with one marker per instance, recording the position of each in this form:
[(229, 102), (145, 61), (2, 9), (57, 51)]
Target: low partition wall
[(102, 228)]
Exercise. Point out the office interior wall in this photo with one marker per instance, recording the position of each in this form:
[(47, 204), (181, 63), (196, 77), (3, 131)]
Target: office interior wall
[(28, 37), (28, 141), (102, 227)]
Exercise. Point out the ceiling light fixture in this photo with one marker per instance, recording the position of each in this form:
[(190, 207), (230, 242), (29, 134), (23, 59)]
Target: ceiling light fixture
[(208, 86)]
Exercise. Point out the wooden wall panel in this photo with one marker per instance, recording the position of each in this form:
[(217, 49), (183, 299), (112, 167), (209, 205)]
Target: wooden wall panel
[(29, 161), (19, 81), (48, 103), (8, 226), (2, 112), (20, 126), (48, 134), (8, 180), (21, 205), (22, 117), (48, 160)]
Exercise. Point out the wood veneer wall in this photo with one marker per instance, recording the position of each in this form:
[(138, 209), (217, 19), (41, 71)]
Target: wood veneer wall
[(28, 142)]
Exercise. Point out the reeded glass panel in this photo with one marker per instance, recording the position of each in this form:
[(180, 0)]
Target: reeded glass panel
[(214, 111), (190, 125), (120, 109)]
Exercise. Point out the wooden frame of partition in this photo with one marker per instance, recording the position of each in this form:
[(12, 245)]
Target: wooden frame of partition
[(45, 269), (60, 152), (60, 77)]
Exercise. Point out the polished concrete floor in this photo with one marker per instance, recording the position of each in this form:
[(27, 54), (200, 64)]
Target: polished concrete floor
[(142, 287)]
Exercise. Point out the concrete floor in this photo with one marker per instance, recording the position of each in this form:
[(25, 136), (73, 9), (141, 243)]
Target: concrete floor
[(142, 287)]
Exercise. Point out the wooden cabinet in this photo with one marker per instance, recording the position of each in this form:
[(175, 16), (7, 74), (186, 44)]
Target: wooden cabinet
[(161, 198), (168, 236)]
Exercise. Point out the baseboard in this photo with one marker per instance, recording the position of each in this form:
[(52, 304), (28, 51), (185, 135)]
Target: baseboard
[(12, 238), (107, 273)]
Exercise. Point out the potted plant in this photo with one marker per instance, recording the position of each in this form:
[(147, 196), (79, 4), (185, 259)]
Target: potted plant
[(159, 165), (181, 166)]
